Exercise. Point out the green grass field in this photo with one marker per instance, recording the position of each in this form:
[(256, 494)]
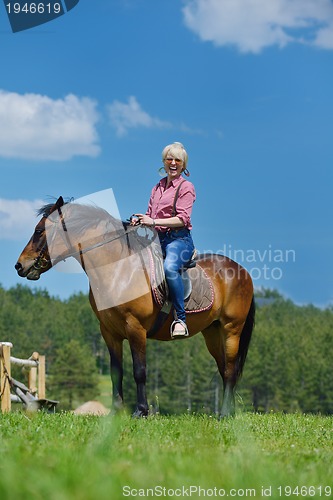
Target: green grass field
[(63, 456)]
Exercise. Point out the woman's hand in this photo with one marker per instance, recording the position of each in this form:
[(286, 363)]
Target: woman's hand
[(143, 219)]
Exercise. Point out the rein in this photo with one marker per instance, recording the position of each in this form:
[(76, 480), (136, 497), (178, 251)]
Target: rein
[(41, 262), (82, 251)]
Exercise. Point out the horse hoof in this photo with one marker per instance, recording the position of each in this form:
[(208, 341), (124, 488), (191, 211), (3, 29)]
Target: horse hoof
[(140, 413)]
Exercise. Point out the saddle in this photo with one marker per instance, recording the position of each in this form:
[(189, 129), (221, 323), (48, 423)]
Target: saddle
[(159, 285), (198, 288)]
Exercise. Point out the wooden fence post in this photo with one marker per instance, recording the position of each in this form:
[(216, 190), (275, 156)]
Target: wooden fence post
[(34, 368), (5, 376), (41, 377), (32, 374)]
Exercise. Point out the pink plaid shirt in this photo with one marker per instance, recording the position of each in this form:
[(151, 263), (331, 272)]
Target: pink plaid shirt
[(162, 198)]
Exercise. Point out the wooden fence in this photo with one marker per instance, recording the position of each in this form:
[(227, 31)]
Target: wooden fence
[(34, 392)]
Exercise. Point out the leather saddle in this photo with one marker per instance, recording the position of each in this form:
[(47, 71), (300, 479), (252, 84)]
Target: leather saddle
[(198, 288)]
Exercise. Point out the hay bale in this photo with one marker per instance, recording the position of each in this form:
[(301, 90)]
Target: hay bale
[(92, 408)]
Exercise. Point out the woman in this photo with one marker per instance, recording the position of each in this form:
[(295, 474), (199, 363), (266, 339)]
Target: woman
[(169, 211)]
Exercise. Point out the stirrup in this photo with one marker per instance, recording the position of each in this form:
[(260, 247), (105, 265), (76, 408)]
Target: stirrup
[(192, 262), (180, 334)]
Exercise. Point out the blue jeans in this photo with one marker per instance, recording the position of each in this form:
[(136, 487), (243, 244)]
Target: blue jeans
[(178, 247)]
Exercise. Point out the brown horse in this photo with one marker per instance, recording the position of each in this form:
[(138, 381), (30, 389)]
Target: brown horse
[(101, 245)]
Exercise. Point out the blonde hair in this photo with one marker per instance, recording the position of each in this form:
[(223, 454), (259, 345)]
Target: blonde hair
[(177, 150)]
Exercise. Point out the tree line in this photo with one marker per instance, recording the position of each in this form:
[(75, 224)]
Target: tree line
[(288, 366)]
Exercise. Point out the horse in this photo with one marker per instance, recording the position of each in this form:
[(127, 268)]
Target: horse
[(101, 245)]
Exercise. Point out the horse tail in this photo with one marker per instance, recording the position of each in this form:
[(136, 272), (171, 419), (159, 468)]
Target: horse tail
[(245, 339)]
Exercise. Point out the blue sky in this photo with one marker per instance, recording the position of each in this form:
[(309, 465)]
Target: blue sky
[(89, 100)]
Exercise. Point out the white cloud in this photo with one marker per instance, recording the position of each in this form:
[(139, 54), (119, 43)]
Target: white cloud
[(18, 218), (36, 127), (128, 115), (252, 25)]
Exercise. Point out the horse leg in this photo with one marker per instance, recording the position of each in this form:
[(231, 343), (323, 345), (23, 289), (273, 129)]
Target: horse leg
[(214, 339), (238, 336), (222, 342), (138, 349), (116, 368), (238, 333), (115, 348)]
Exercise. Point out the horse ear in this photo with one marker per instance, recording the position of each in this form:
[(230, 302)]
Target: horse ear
[(60, 202)]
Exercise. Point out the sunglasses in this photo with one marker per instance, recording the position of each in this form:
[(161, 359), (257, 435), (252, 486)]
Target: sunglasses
[(176, 160)]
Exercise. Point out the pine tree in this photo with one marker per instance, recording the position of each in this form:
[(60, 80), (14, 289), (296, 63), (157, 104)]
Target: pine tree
[(73, 375)]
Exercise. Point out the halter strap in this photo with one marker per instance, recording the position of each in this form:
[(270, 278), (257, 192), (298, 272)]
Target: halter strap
[(63, 223)]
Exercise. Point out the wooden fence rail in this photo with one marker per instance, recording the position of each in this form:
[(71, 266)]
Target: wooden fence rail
[(34, 367)]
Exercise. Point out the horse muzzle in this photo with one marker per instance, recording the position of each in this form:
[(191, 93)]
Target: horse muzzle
[(31, 273)]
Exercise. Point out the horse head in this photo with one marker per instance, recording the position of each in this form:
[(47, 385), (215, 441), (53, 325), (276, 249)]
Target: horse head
[(35, 258), (71, 230)]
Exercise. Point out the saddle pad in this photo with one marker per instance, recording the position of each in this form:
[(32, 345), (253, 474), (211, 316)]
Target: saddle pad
[(202, 295)]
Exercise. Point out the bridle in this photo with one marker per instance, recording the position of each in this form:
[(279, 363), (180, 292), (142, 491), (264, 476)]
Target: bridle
[(42, 262)]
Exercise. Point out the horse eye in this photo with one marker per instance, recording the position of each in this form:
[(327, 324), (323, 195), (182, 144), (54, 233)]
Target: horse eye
[(39, 232)]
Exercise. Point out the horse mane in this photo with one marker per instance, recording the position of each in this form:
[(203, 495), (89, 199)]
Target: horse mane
[(45, 210), (79, 218)]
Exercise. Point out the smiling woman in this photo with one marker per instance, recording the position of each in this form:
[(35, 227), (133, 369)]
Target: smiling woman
[(169, 211)]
